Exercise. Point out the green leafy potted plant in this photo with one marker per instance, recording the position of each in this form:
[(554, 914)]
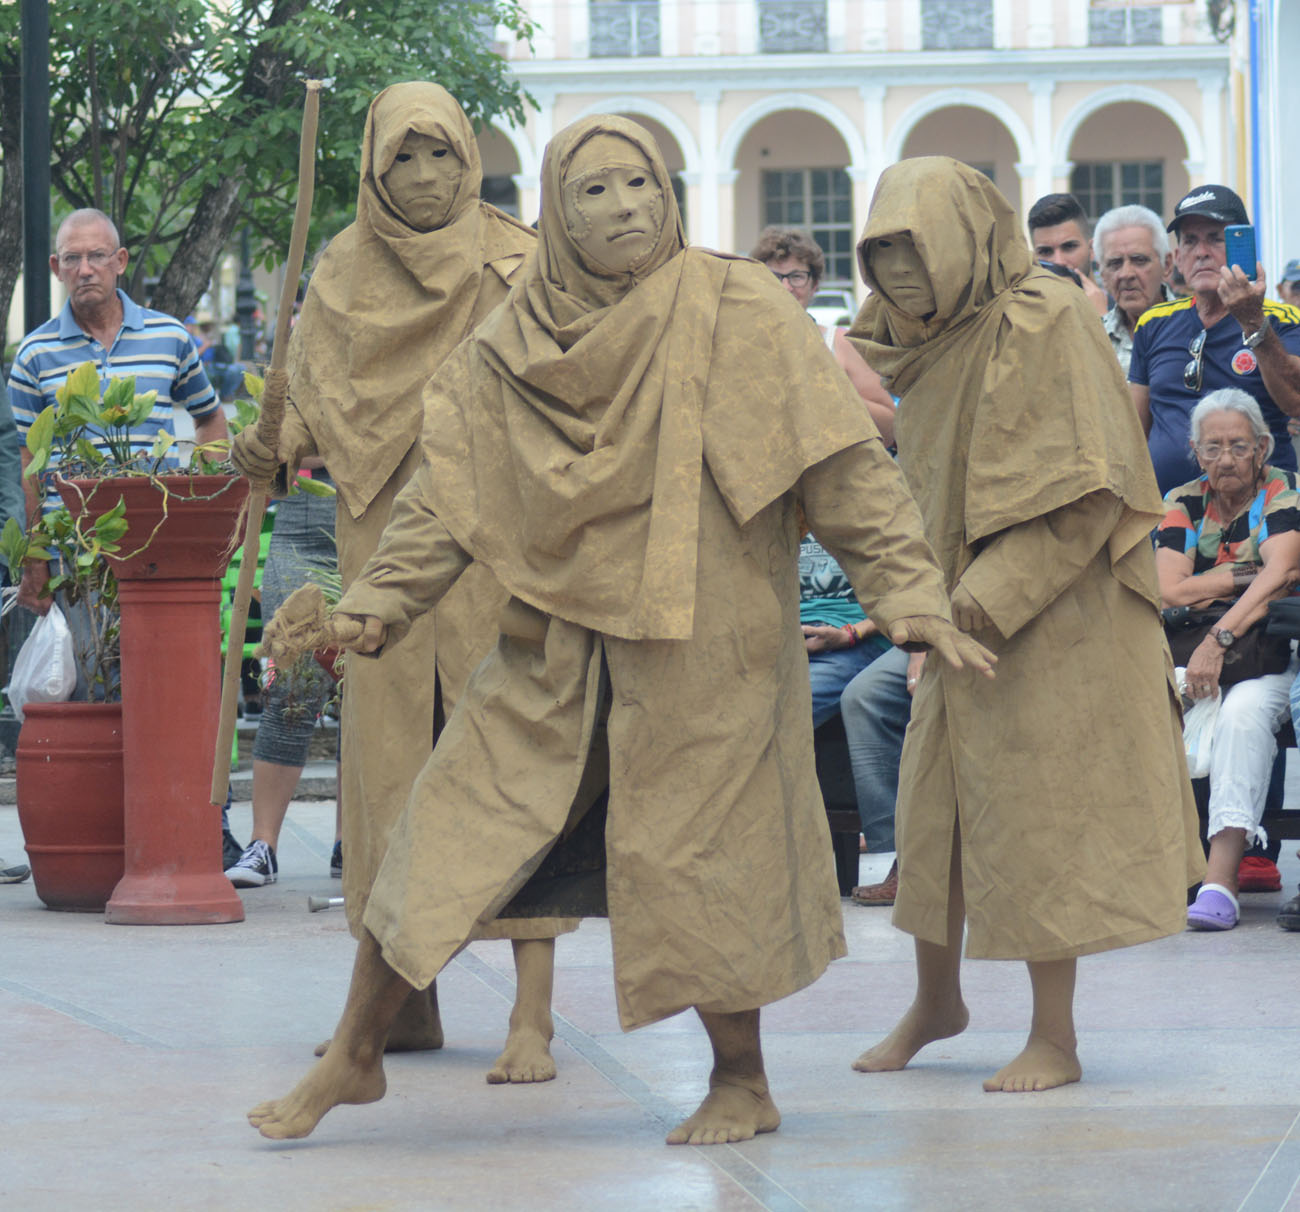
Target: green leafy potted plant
[(140, 546)]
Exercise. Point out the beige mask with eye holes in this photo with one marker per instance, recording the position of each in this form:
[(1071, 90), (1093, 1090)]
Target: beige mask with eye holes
[(613, 204), (423, 181)]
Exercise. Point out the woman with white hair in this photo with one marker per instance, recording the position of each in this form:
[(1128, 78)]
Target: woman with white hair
[(1230, 544)]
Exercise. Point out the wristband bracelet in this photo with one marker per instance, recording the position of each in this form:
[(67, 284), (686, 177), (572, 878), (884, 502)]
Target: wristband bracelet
[(852, 634)]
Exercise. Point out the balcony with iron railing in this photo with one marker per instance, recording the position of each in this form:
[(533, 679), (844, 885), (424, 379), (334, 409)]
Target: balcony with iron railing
[(1127, 26), (623, 28), (791, 26), (674, 29), (956, 24)]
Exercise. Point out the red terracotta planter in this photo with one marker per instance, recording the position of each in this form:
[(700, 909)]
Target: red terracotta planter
[(70, 801), (328, 660), (170, 595)]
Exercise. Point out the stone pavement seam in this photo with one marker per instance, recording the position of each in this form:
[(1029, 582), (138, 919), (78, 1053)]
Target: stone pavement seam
[(735, 1165), (1280, 1177), (87, 1018)]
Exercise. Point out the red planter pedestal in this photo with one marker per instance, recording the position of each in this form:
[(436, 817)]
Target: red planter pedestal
[(70, 801), (170, 597)]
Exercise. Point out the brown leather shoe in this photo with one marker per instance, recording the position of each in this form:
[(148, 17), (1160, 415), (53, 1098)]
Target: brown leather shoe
[(878, 894)]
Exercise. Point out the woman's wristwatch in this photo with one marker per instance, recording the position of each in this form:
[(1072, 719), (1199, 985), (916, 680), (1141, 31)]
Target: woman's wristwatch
[(1225, 638)]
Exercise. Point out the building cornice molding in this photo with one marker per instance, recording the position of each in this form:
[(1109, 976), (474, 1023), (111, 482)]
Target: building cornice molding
[(738, 73)]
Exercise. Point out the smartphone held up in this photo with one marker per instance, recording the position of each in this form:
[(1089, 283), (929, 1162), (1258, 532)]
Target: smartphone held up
[(1239, 243)]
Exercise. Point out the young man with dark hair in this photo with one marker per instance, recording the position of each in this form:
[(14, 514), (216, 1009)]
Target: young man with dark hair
[(1059, 233)]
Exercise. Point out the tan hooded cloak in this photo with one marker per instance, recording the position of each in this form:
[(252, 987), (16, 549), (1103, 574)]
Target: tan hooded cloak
[(626, 452), (1065, 775), (385, 307)]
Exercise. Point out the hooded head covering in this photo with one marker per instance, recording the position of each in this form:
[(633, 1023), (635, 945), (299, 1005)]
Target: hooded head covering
[(1012, 402), (567, 438), (965, 223), (389, 302), (566, 294)]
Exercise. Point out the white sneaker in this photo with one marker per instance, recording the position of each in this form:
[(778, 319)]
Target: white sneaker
[(256, 867)]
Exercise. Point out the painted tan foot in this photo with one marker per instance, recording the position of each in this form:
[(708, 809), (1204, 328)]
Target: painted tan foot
[(1041, 1066), (734, 1109), (330, 1082), (525, 1058), (918, 1027), (418, 1027)]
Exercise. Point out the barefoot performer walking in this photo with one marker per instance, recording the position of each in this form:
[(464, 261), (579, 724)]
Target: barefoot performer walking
[(604, 443), (396, 291), (1049, 811)]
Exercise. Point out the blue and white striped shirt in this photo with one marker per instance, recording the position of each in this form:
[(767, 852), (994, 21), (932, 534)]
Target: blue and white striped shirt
[(150, 345)]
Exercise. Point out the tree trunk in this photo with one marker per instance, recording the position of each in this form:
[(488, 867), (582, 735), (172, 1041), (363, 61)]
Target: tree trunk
[(218, 211), (190, 270), (11, 189)]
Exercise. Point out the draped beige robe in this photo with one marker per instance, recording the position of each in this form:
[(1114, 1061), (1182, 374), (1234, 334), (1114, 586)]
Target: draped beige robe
[(1065, 776)]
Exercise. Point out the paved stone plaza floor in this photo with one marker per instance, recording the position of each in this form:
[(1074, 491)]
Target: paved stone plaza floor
[(128, 1056)]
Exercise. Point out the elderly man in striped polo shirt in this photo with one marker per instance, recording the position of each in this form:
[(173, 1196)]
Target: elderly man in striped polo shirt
[(100, 324)]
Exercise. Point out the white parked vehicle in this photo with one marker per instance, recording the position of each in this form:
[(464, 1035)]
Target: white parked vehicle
[(833, 307)]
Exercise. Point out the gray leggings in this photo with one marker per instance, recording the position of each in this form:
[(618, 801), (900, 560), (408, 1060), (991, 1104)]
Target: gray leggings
[(303, 539)]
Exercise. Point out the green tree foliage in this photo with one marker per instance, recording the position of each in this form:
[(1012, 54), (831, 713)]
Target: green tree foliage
[(180, 118)]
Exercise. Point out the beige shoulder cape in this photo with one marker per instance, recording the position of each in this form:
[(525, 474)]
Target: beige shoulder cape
[(575, 474), (1011, 350)]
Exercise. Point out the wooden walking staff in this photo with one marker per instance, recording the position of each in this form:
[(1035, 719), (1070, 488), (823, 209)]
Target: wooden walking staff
[(268, 432)]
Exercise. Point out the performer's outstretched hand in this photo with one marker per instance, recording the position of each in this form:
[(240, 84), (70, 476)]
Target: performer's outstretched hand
[(924, 631), (304, 624)]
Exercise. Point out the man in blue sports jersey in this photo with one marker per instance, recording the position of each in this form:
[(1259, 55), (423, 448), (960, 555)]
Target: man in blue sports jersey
[(100, 324), (1226, 334)]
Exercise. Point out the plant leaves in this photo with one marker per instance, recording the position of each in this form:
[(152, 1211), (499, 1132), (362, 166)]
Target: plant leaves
[(141, 407), (82, 383), (40, 434), (314, 488), (119, 393), (13, 543)]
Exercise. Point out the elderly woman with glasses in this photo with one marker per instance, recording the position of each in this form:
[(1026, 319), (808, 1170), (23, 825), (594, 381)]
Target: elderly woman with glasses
[(1230, 541)]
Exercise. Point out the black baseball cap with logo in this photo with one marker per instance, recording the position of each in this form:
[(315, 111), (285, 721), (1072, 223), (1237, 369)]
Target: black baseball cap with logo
[(1215, 202)]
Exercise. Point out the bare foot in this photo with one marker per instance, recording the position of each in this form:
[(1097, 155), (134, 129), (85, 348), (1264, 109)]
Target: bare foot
[(331, 1081), (525, 1058), (734, 1109), (418, 1027), (1041, 1066), (921, 1025)]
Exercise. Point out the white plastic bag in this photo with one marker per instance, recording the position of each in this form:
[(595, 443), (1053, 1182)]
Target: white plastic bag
[(1198, 732), (45, 670)]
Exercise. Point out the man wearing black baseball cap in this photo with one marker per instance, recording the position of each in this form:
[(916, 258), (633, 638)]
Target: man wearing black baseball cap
[(1226, 334)]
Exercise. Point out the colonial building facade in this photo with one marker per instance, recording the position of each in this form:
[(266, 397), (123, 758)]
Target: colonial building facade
[(788, 110)]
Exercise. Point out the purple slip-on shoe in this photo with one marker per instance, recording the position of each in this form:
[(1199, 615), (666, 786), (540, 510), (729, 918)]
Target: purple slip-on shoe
[(1212, 910)]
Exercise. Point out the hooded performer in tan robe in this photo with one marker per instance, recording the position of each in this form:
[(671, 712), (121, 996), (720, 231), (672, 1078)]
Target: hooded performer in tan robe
[(393, 295), (625, 442), (1052, 805)]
